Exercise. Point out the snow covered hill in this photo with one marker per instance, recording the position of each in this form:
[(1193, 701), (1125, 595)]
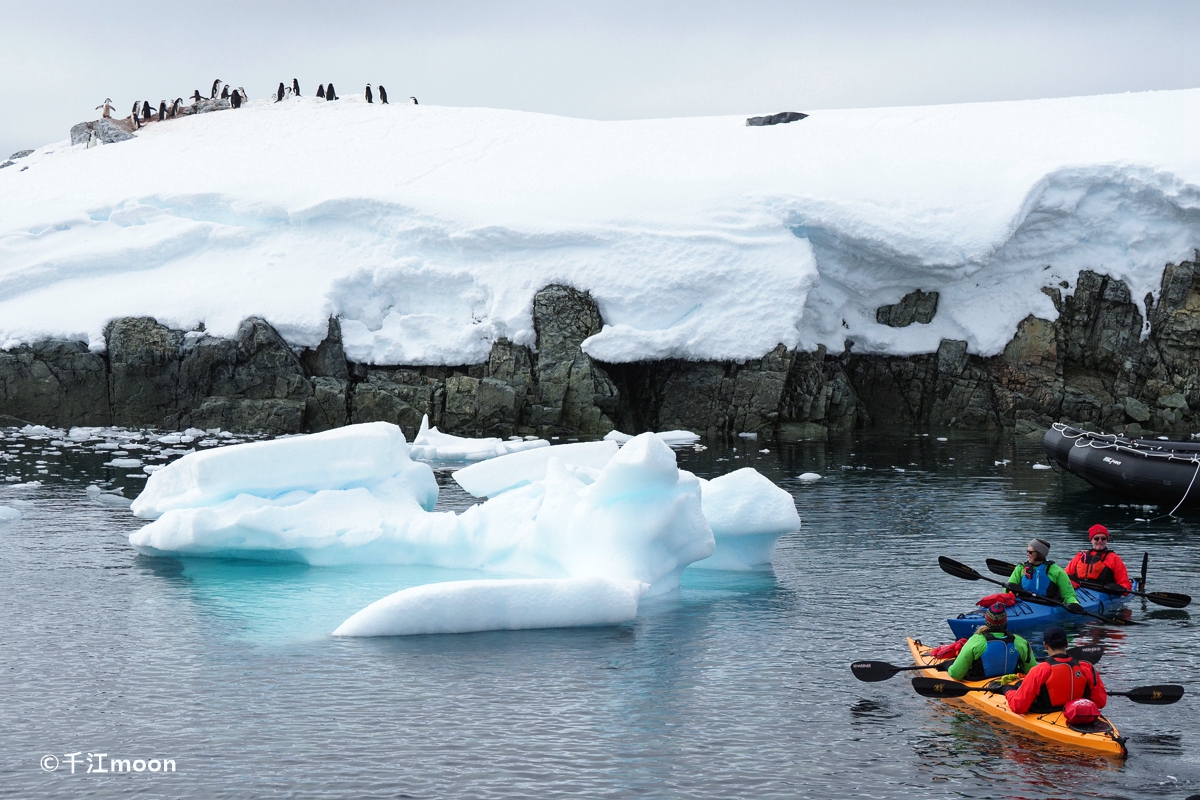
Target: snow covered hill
[(429, 229)]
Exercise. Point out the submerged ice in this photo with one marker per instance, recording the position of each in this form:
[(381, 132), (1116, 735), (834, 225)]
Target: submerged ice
[(576, 512)]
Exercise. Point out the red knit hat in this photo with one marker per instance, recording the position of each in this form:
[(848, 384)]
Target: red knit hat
[(1092, 531), (996, 616), (1081, 712)]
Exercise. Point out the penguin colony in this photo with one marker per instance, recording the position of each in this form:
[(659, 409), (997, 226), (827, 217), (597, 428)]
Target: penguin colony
[(143, 113)]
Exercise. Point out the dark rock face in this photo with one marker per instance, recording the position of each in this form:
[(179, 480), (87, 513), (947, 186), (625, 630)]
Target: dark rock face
[(916, 306), (572, 393), (144, 359), (55, 382), (328, 360), (399, 396)]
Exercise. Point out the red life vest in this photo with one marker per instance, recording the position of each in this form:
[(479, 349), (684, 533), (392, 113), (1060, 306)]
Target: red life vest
[(1093, 566), (1069, 679)]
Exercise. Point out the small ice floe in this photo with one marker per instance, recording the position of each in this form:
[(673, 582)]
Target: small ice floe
[(27, 485), (108, 497), (9, 514), (430, 444), (670, 437), (942, 439), (150, 469), (1041, 466), (751, 435), (498, 605), (1004, 462), (899, 469), (124, 462), (809, 477), (764, 450)]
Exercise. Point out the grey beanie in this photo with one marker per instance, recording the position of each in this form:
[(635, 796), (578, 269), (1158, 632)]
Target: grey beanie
[(1041, 545)]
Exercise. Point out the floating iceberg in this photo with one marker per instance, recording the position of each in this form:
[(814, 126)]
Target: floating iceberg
[(501, 474), (670, 437), (430, 444), (9, 514), (747, 514), (494, 605)]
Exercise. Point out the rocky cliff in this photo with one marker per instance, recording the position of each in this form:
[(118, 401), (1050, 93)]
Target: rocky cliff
[(1099, 365)]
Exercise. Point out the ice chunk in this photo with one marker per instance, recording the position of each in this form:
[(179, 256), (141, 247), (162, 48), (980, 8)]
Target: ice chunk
[(808, 477), (343, 458), (751, 435), (124, 462), (748, 513), (10, 514), (430, 444), (670, 437), (1041, 466), (490, 605), (492, 477)]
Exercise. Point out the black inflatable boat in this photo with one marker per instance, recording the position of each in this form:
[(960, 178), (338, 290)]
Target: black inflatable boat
[(1143, 471)]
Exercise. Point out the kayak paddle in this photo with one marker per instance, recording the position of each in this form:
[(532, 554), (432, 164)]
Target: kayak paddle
[(1160, 695), (875, 671), (959, 570), (1168, 599)]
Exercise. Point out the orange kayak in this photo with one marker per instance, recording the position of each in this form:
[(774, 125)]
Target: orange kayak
[(1101, 736)]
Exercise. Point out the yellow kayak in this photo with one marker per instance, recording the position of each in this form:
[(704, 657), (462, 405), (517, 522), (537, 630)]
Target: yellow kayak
[(1101, 736)]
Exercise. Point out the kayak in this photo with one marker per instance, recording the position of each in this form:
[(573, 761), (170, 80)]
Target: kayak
[(1100, 736), (1026, 614)]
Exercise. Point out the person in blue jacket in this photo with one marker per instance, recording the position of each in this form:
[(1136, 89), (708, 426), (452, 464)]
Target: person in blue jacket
[(1041, 577), (992, 651)]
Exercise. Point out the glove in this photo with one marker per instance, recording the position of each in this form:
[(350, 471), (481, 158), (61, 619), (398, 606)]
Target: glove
[(1008, 679), (1074, 608), (1114, 588)]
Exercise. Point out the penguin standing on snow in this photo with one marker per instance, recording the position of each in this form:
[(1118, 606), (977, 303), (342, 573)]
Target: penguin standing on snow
[(370, 98), (330, 94), (321, 91), (235, 100), (242, 92), (216, 86), (295, 87), (414, 100), (108, 108), (93, 140), (162, 110), (382, 94), (175, 107), (137, 110), (225, 93), (146, 112), (279, 92)]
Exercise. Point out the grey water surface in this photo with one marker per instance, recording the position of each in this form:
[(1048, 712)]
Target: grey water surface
[(738, 686)]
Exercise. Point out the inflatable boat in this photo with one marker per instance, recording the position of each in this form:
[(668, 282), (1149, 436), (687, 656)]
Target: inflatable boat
[(1144, 471)]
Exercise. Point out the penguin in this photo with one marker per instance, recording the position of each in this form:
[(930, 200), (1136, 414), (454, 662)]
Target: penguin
[(107, 106), (279, 92), (235, 100), (242, 92), (382, 94), (368, 95), (146, 112), (196, 98), (216, 86), (330, 94), (137, 108), (225, 92), (175, 107), (414, 100), (295, 87), (321, 91), (287, 92), (162, 110), (93, 140)]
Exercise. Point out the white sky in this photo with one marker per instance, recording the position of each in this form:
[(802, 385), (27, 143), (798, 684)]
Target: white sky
[(607, 60)]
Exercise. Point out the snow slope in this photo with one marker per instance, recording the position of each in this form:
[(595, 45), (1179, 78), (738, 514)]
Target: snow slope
[(429, 229)]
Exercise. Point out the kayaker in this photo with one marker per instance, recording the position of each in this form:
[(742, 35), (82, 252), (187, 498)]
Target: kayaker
[(992, 651), (1100, 565), (1056, 681), (1042, 577)]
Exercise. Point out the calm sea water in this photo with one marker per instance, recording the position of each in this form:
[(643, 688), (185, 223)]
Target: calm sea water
[(738, 686)]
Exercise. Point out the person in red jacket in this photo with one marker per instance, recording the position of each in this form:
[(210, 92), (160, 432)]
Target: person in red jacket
[(1056, 681), (1099, 564)]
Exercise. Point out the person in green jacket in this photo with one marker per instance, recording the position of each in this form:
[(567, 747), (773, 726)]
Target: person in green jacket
[(1042, 577), (992, 651)]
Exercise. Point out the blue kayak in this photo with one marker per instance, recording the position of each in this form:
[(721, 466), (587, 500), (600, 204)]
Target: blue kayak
[(1027, 614)]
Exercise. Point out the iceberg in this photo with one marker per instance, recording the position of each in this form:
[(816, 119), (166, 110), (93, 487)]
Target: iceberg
[(670, 437), (493, 605), (748, 513), (430, 444), (501, 474), (9, 514)]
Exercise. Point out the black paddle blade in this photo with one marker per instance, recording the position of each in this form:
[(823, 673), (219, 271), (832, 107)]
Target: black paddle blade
[(1091, 653), (936, 687), (873, 671), (999, 567), (957, 569), (1169, 599), (1162, 695)]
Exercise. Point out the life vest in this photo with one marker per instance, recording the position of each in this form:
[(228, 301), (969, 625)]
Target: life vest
[(1069, 679), (1000, 657), (1093, 566), (1037, 580)]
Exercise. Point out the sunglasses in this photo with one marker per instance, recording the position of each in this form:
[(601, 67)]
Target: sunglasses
[(1031, 551), (1099, 538)]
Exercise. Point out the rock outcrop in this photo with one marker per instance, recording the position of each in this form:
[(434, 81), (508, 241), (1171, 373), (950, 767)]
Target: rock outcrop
[(916, 306), (107, 131), (1101, 364)]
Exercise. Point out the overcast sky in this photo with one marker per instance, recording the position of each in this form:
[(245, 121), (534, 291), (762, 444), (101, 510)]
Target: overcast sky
[(604, 60)]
